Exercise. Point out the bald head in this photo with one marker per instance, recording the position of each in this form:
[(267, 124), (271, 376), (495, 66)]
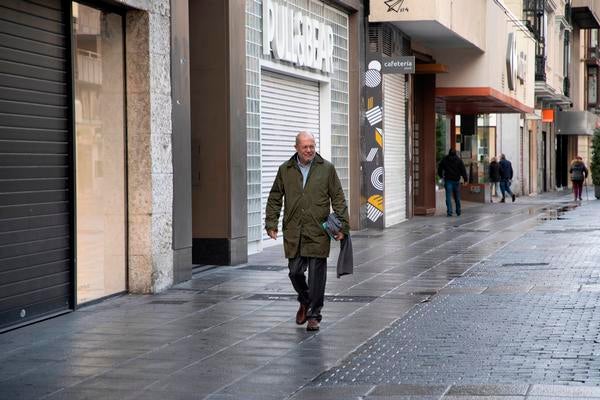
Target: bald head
[(303, 135), (305, 147)]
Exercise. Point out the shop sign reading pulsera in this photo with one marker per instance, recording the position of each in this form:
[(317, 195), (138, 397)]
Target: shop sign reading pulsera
[(295, 37)]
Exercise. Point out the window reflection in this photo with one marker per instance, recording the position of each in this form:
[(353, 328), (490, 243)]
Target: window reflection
[(100, 153)]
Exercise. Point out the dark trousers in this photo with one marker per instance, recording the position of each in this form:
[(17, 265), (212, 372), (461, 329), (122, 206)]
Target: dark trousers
[(505, 188), (577, 189), (313, 293), (452, 190)]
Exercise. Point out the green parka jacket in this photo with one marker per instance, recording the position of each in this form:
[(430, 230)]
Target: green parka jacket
[(306, 209)]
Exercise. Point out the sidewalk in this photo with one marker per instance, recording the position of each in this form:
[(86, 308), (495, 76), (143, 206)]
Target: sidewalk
[(394, 328)]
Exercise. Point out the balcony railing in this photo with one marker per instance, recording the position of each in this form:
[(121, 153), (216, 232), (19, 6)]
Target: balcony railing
[(592, 54), (89, 67), (540, 68)]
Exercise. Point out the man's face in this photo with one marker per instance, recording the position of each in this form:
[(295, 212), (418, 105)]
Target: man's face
[(306, 149)]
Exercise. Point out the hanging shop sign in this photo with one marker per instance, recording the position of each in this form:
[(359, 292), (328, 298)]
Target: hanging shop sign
[(290, 35), (511, 61), (398, 65), (547, 115), (522, 67)]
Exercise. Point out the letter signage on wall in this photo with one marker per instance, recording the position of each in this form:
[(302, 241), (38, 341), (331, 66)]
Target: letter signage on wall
[(398, 65), (522, 67), (511, 61), (292, 36)]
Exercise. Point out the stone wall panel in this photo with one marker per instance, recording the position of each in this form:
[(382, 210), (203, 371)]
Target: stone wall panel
[(150, 160)]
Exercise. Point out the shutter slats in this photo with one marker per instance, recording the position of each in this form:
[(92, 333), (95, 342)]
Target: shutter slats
[(35, 147), (394, 134), (288, 105)]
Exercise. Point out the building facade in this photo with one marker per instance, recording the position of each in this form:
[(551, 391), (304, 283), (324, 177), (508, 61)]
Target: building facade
[(277, 67), (465, 93), (89, 203), (576, 124)]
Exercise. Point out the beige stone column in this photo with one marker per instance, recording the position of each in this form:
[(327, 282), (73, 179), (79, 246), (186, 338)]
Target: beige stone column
[(150, 171)]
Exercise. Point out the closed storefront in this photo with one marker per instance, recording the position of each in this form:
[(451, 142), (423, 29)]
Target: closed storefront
[(297, 80), (36, 240), (67, 234), (386, 163), (289, 105), (394, 145)]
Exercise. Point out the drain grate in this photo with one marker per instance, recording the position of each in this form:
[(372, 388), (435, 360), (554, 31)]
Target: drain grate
[(173, 302), (293, 297), (264, 267), (366, 235), (540, 264), (425, 292), (569, 230)]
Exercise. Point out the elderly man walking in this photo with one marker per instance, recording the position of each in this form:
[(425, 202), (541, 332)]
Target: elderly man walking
[(306, 184)]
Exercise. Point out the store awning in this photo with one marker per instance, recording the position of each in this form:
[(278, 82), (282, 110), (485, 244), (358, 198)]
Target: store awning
[(477, 100), (580, 123), (585, 18)]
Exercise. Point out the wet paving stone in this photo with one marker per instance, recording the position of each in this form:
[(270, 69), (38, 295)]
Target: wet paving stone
[(436, 308), (505, 334)]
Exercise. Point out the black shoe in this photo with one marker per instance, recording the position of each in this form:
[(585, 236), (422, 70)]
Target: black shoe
[(457, 214), (514, 197), (502, 201), (449, 214)]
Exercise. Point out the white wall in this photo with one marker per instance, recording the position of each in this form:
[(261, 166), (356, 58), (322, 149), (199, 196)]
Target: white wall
[(464, 18), (508, 142), (473, 69)]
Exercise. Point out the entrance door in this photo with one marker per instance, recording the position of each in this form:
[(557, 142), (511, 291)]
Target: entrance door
[(35, 173), (543, 159), (562, 160), (394, 139), (100, 153), (288, 105)]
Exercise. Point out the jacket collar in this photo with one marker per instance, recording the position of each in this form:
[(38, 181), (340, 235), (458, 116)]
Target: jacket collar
[(293, 161)]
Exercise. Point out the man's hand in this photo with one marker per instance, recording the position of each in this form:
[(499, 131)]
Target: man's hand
[(272, 233), (339, 236)]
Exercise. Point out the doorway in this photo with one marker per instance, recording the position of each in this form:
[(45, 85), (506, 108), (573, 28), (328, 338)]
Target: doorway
[(562, 161), (543, 160), (100, 195)]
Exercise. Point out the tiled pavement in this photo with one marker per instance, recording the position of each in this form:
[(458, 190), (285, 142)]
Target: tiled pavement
[(518, 320)]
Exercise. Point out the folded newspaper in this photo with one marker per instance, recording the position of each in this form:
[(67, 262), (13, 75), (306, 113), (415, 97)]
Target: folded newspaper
[(332, 226)]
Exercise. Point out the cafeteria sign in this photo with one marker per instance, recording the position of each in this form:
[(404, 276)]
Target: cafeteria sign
[(398, 65)]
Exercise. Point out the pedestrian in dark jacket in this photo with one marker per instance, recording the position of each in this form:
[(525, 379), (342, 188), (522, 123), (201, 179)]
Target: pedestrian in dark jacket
[(579, 173), (506, 175), (494, 178), (307, 184), (451, 169)]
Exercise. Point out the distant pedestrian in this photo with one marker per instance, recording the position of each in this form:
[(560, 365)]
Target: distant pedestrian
[(494, 178), (307, 184), (451, 169), (506, 175), (579, 173)]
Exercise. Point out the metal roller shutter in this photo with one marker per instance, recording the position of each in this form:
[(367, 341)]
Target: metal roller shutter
[(288, 105), (394, 147), (35, 150)]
